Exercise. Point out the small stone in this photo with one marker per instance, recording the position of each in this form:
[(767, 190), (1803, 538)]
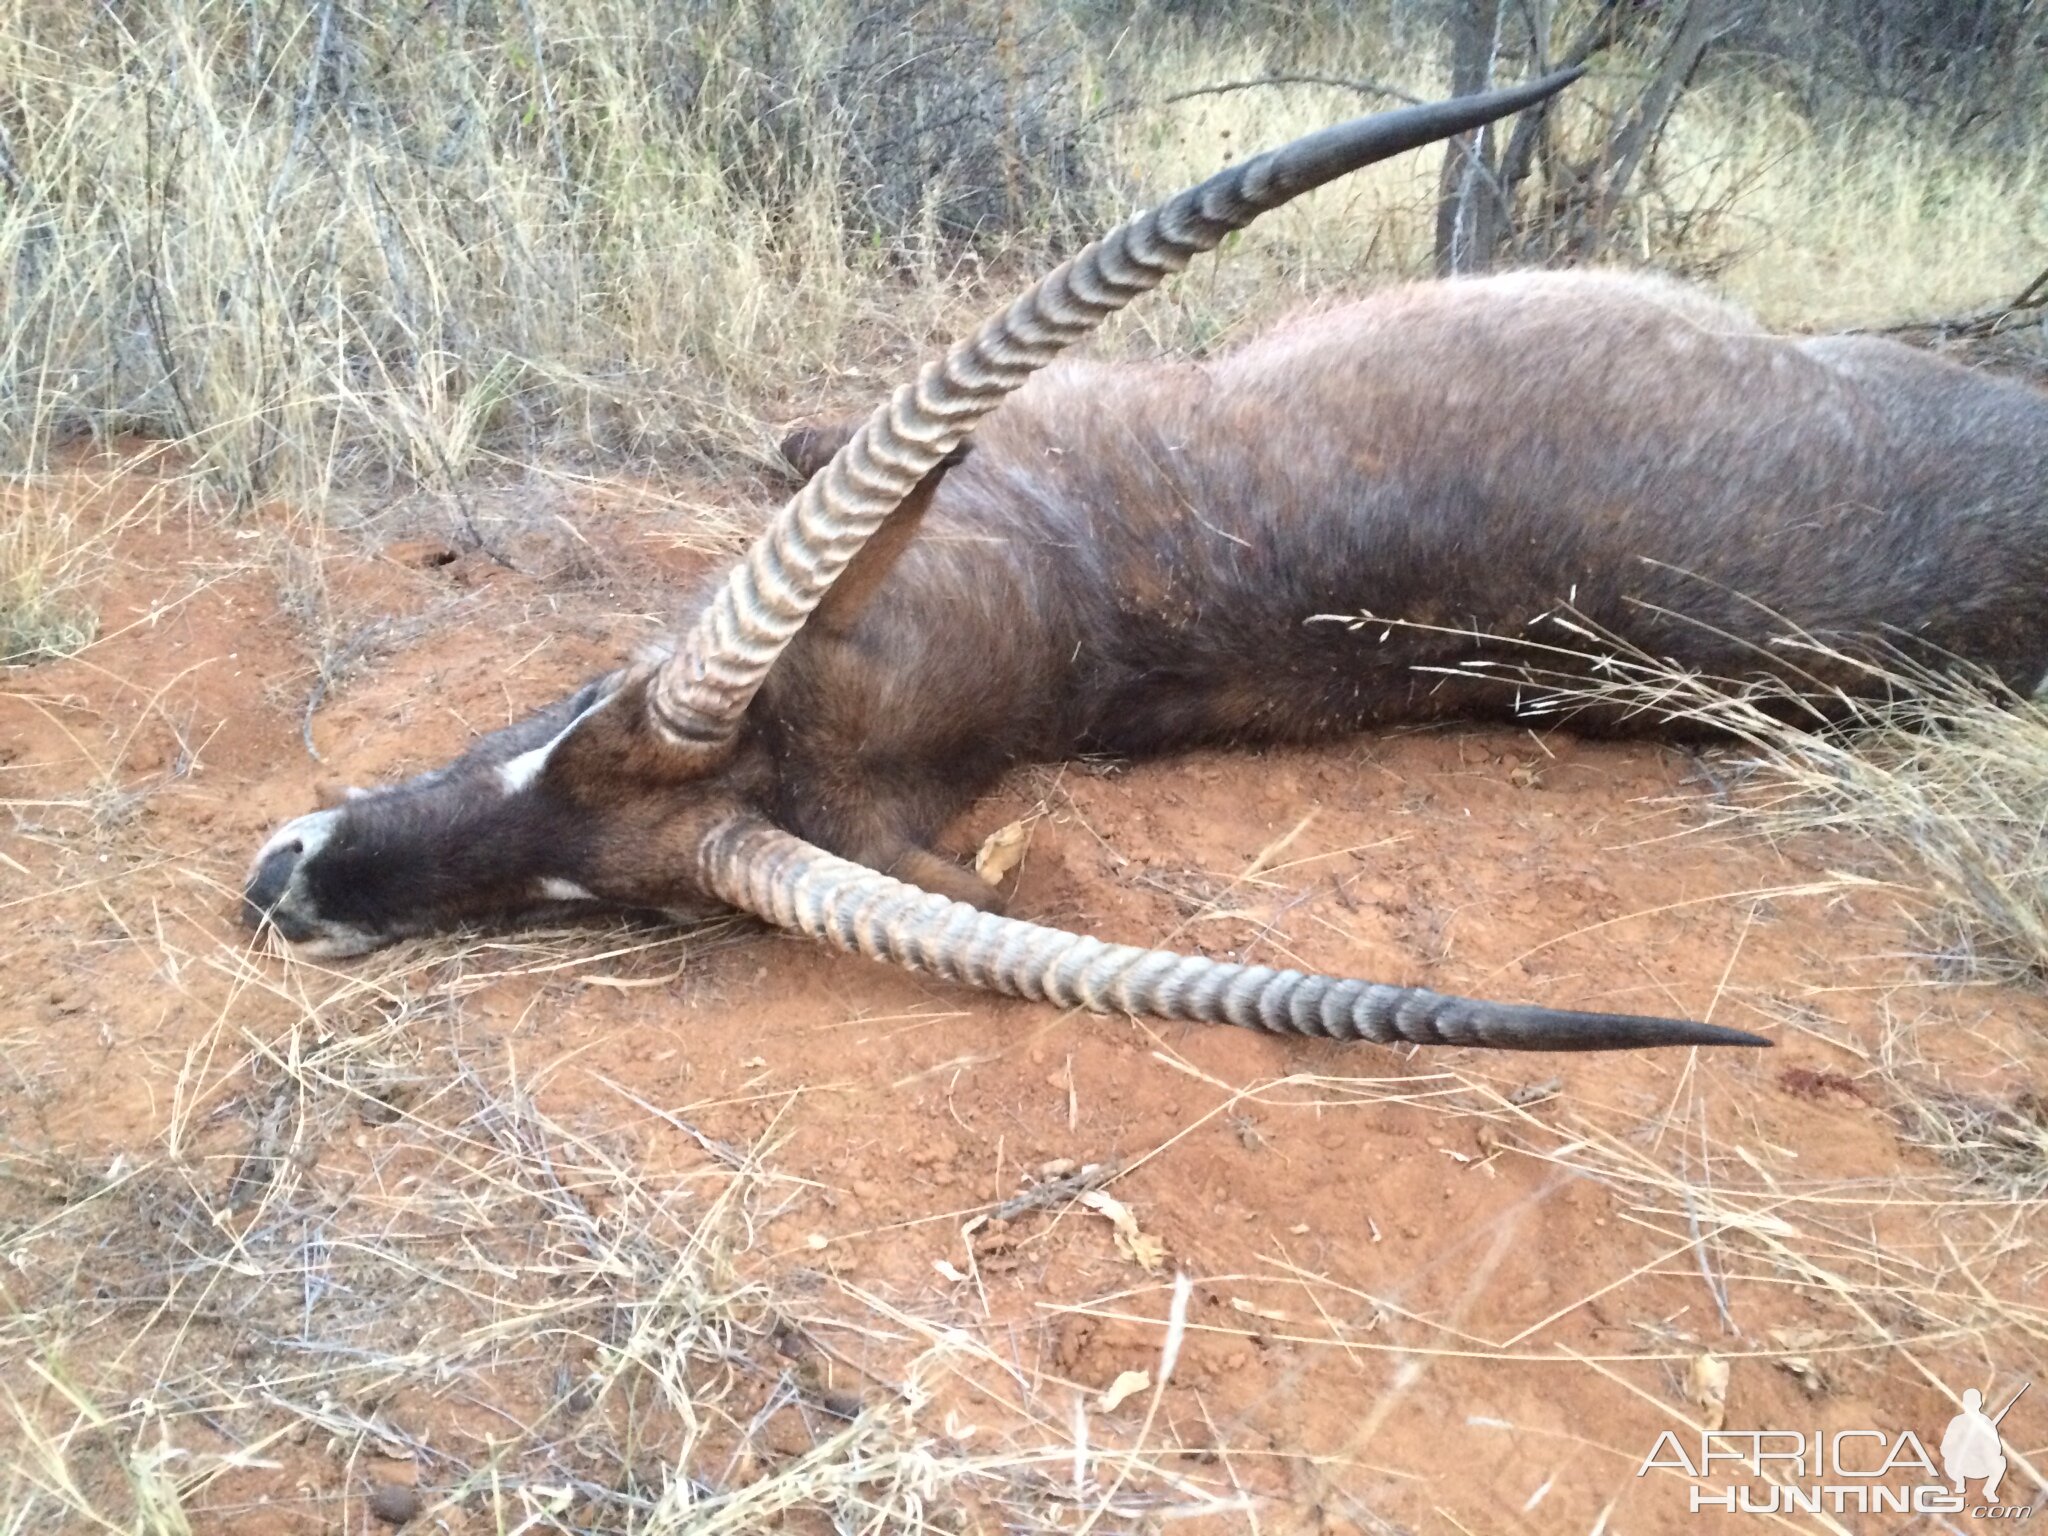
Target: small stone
[(393, 1503), (61, 1000)]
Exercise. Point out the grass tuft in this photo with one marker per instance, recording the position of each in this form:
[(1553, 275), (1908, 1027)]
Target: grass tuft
[(1937, 774), (48, 562)]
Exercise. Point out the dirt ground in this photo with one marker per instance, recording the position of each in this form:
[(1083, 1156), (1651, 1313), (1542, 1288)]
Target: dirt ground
[(1431, 1292)]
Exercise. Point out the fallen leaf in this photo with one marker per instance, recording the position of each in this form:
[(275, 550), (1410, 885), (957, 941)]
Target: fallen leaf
[(1706, 1384), (1803, 1371), (1126, 1383), (1000, 852), (1239, 1304), (1139, 1247), (634, 983), (947, 1270), (1796, 1362)]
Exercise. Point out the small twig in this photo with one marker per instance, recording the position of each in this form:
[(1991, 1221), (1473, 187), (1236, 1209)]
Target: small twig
[(10, 171), (724, 1151), (1981, 322), (1360, 87), (468, 512), (263, 1163), (358, 646), (302, 119), (1056, 1191), (1338, 82), (150, 291), (331, 668), (1716, 1287), (547, 96), (2033, 296)]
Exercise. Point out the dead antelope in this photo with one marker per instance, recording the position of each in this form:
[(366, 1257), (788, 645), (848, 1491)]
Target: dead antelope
[(1130, 560)]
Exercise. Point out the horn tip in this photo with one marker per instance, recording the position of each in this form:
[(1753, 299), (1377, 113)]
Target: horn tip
[(1652, 1033)]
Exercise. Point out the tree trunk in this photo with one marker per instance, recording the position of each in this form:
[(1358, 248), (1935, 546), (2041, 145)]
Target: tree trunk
[(1468, 197), (1626, 152), (1519, 159)]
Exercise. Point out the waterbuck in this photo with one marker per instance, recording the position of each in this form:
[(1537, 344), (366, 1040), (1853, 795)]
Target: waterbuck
[(1137, 559)]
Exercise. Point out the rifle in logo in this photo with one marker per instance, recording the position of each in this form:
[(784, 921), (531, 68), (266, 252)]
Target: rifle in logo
[(1970, 1446)]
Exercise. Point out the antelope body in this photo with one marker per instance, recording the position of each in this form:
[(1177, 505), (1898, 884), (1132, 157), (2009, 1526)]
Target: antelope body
[(1142, 558), (1318, 533)]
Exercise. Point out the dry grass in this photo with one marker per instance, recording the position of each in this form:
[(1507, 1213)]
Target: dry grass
[(316, 243), (1937, 776), (342, 245), (1868, 220), (49, 560), (1942, 786), (353, 1250)]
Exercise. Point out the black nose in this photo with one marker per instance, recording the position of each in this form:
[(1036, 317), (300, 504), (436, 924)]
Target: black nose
[(267, 885)]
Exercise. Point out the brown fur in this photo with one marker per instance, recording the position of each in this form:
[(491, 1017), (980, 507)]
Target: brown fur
[(1130, 558)]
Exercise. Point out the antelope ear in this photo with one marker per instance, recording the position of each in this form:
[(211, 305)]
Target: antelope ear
[(809, 448)]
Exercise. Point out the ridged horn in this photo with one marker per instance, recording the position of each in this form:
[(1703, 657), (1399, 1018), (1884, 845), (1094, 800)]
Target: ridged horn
[(701, 692), (796, 885)]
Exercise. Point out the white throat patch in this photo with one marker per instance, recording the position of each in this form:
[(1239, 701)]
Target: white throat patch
[(516, 773)]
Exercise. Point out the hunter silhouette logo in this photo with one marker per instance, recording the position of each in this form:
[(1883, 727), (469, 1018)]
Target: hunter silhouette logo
[(1970, 1446), (1846, 1471)]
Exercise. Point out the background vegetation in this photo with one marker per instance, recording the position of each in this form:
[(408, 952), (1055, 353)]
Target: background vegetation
[(358, 241)]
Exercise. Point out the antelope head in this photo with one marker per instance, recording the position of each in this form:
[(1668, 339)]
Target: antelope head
[(644, 789)]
